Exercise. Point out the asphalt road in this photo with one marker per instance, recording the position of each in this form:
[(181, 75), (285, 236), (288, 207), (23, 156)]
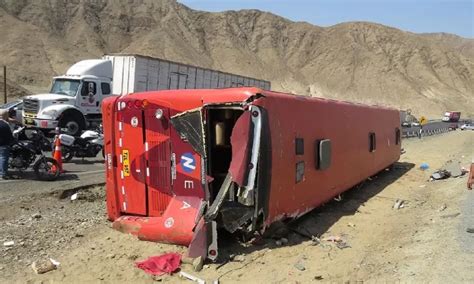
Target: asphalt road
[(78, 173), (429, 127)]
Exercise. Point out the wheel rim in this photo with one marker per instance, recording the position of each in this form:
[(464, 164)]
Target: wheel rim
[(72, 127), (47, 169)]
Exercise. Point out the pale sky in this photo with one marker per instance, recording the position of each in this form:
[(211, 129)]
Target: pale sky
[(419, 16)]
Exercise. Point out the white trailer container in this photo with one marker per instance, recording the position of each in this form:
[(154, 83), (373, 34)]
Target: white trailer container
[(136, 73), (74, 102)]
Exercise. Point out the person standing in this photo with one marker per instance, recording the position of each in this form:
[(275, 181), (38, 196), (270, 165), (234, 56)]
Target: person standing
[(6, 139)]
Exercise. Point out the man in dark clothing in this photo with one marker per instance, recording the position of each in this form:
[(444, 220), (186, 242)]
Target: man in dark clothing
[(6, 138)]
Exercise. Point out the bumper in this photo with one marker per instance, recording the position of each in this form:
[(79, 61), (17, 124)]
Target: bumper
[(40, 123)]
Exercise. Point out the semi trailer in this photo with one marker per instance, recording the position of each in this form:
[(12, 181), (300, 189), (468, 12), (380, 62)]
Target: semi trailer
[(183, 164), (451, 116), (75, 98)]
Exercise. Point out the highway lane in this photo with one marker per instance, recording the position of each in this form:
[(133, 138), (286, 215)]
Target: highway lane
[(86, 172), (428, 128), (78, 173)]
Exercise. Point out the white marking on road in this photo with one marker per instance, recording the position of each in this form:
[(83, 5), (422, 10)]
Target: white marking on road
[(120, 142), (147, 171), (146, 146), (121, 174), (124, 206), (123, 190), (120, 126)]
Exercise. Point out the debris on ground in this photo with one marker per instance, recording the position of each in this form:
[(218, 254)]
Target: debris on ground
[(300, 265), (239, 258), (43, 266), (191, 277), (470, 230), (159, 265), (399, 203), (197, 262), (315, 241), (352, 225), (442, 208), (451, 215), (453, 167), (9, 243), (450, 169), (74, 196), (338, 241), (424, 166), (36, 216), (440, 174), (281, 242), (422, 186), (318, 277)]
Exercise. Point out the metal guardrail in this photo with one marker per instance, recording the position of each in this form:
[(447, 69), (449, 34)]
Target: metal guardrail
[(411, 134)]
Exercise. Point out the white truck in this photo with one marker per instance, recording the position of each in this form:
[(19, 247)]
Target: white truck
[(74, 102)]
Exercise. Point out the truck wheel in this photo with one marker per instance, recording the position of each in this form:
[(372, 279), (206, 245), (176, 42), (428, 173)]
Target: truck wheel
[(72, 124)]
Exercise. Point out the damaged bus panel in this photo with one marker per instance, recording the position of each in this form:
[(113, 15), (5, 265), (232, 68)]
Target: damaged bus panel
[(183, 165)]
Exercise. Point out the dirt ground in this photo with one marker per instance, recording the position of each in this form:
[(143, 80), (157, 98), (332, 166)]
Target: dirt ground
[(425, 241)]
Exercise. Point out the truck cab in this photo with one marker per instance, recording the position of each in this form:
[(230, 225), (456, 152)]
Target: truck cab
[(74, 101)]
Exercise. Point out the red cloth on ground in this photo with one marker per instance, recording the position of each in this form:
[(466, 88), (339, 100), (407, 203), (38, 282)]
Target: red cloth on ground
[(159, 265)]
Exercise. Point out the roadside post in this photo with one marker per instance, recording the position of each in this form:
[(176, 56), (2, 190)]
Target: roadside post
[(5, 84)]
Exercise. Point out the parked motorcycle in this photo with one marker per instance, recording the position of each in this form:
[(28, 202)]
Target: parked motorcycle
[(88, 145), (27, 151)]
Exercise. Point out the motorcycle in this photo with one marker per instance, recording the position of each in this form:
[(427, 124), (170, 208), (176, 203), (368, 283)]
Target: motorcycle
[(88, 145), (27, 150)]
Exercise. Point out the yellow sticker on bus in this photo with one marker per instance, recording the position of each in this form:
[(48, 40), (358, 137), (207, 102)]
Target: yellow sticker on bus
[(126, 163)]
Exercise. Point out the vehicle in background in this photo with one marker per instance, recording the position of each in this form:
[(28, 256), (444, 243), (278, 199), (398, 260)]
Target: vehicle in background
[(467, 126), (451, 116), (410, 124), (88, 145), (15, 109), (407, 119), (75, 98), (182, 163), (29, 153)]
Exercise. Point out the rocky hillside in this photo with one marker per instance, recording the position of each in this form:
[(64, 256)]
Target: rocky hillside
[(358, 61)]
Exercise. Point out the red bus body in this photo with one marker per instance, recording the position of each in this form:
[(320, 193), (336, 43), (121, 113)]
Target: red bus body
[(182, 163)]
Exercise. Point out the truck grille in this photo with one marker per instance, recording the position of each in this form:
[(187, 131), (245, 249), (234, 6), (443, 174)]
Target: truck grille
[(30, 106)]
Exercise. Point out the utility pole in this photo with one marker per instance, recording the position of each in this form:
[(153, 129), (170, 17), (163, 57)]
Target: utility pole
[(5, 84)]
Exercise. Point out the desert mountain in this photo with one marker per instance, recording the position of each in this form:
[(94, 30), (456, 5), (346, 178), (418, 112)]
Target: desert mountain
[(357, 61)]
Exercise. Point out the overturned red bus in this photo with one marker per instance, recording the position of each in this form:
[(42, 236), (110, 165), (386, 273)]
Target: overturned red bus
[(182, 164)]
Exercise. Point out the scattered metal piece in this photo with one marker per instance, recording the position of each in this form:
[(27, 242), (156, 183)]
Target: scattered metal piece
[(451, 215), (399, 203), (9, 243), (470, 230), (300, 266), (191, 277)]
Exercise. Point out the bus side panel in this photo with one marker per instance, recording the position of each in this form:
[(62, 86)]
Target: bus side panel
[(347, 126), (109, 112)]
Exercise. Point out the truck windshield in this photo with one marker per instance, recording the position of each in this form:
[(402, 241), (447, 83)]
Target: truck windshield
[(65, 87)]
